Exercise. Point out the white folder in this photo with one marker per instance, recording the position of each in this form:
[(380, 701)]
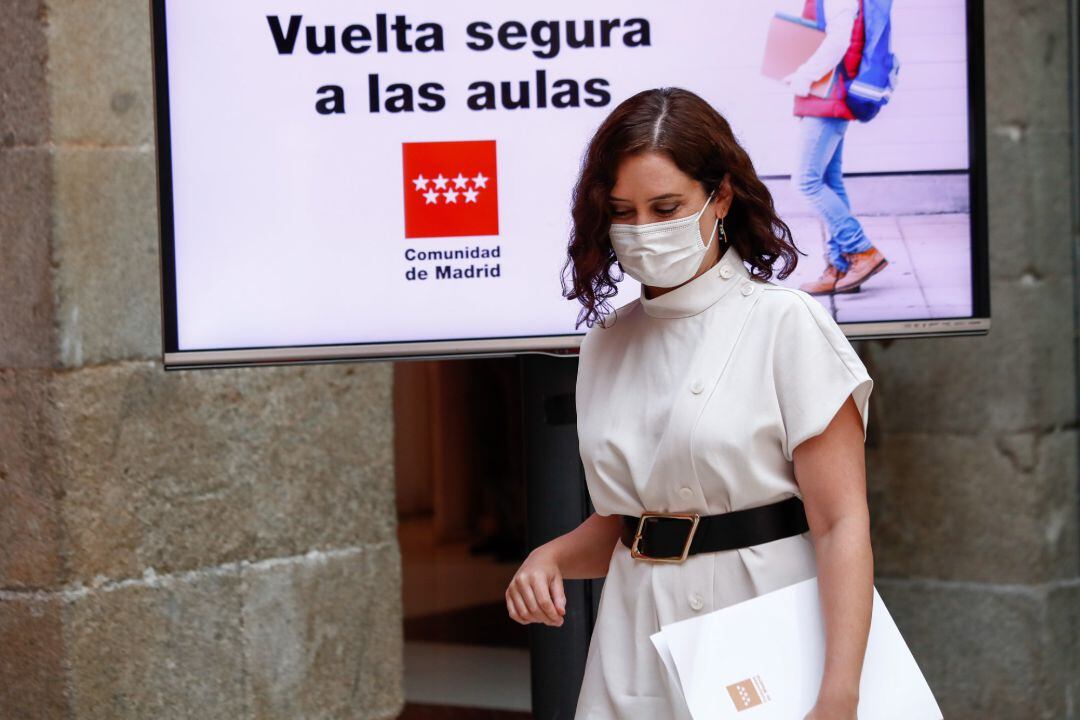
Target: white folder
[(764, 658)]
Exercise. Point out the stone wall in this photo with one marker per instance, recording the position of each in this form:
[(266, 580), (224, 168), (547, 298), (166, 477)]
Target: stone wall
[(197, 544), (973, 466)]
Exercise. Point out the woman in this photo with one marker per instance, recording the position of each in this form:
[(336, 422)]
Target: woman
[(715, 392)]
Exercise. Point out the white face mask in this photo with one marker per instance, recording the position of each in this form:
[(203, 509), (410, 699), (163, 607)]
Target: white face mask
[(661, 254)]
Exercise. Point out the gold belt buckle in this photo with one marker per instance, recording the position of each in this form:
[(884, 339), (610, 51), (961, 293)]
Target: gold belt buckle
[(692, 518)]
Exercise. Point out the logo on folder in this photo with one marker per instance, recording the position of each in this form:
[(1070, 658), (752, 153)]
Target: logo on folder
[(748, 693), (451, 188)]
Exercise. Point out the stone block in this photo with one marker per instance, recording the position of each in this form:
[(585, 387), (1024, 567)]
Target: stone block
[(1029, 203), (1020, 377), (1027, 63), (159, 647), (100, 73), (1063, 638), (106, 255), (181, 470), (30, 531), (310, 636), (975, 508), (32, 670), (24, 112), (983, 648), (323, 635), (27, 336)]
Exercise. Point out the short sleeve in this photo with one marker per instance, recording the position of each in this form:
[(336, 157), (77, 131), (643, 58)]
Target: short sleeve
[(815, 369)]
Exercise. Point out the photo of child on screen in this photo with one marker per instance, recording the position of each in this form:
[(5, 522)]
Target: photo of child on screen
[(851, 258)]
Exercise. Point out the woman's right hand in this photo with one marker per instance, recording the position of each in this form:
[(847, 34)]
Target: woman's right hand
[(536, 592)]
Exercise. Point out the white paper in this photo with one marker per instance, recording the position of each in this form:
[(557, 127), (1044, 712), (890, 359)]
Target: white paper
[(665, 655), (764, 658)]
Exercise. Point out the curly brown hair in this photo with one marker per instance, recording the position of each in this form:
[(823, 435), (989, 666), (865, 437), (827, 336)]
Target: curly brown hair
[(699, 140)]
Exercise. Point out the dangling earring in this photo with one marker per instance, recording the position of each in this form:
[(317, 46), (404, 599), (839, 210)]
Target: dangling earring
[(721, 234)]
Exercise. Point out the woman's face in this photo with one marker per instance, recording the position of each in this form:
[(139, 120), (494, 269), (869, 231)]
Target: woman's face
[(650, 188)]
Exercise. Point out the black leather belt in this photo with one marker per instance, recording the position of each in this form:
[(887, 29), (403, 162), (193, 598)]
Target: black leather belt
[(671, 537)]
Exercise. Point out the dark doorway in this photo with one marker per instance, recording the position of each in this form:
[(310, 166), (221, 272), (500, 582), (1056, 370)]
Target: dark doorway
[(461, 514)]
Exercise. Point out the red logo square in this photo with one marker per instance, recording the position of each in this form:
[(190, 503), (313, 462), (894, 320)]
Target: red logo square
[(450, 188)]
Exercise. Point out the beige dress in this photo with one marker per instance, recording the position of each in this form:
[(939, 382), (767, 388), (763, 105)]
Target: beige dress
[(693, 401)]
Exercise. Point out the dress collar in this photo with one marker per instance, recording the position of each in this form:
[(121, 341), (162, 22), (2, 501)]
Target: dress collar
[(700, 293)]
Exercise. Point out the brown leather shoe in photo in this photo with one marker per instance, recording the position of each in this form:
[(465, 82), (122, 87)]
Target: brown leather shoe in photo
[(824, 285), (863, 265)]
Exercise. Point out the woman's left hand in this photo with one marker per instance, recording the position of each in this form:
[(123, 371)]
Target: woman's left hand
[(824, 710)]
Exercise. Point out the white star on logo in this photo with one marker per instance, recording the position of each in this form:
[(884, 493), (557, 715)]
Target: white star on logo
[(460, 180), (480, 181), (420, 182), (440, 182), (470, 196), (432, 197), (451, 196)]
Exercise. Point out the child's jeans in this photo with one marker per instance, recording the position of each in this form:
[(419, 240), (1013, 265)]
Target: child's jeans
[(820, 180)]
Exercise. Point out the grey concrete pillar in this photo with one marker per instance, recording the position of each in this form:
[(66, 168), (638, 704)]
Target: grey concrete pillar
[(974, 470), (207, 544)]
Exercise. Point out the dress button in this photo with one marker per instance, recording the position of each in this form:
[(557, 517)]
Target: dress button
[(747, 288), (686, 493), (696, 601), (697, 387), (726, 272)]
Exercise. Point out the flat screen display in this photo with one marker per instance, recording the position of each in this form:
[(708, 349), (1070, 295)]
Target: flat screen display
[(351, 180)]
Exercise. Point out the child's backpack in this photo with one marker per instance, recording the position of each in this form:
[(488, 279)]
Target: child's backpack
[(872, 86)]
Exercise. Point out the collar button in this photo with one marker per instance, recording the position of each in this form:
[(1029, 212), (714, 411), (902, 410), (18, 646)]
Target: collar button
[(726, 272)]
